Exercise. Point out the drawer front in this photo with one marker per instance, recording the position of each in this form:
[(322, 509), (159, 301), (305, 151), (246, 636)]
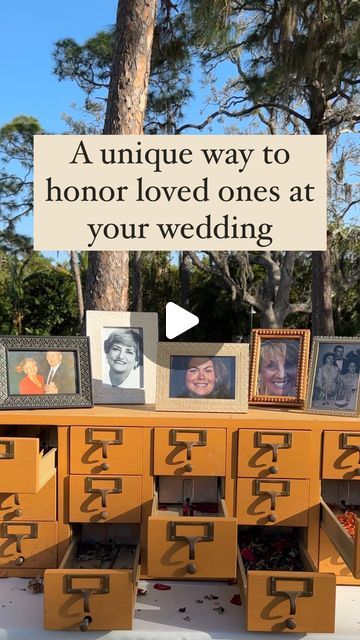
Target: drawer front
[(22, 468), (264, 501), (341, 455), (347, 547), (105, 450), (192, 548), (282, 454), (39, 506), (105, 499), (88, 599), (290, 601), (28, 544), (197, 452)]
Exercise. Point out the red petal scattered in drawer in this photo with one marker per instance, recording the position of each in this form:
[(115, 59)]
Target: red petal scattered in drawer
[(236, 599), (162, 587), (247, 554)]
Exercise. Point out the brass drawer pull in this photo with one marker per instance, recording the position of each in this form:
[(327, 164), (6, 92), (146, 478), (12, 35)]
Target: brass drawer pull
[(345, 445), (274, 446), (86, 592), (192, 540), (292, 595), (201, 442), (89, 439), (8, 454), (5, 533), (117, 488), (272, 494), (84, 624)]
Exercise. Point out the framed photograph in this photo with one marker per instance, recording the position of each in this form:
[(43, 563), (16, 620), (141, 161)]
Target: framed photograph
[(44, 372), (123, 355), (334, 377), (194, 376), (278, 368)]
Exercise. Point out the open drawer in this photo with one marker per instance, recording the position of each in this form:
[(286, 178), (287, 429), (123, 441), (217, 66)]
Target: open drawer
[(347, 545), (297, 599), (24, 468), (202, 545), (95, 586)]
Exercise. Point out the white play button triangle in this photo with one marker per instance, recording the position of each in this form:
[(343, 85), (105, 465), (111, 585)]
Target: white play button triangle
[(178, 320)]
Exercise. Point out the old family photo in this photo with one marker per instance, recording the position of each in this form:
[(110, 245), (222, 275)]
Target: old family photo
[(41, 372), (336, 377)]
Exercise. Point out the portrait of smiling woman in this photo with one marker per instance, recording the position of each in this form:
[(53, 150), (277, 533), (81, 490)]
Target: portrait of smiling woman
[(279, 363), (202, 377), (123, 358), (278, 368)]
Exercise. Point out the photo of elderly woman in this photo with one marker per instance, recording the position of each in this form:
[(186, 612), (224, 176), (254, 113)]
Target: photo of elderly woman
[(122, 363), (202, 377), (32, 382), (41, 372), (336, 378), (278, 368)]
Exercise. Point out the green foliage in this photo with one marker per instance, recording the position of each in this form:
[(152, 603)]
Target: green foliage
[(346, 283), (50, 303), (89, 65), (16, 145), (35, 297)]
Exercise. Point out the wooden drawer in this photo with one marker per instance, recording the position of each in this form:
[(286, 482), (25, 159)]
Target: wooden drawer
[(91, 598), (331, 561), (266, 501), (23, 467), (39, 506), (288, 601), (198, 452), (341, 455), (348, 547), (284, 454), (191, 547), (28, 544), (105, 498), (106, 450)]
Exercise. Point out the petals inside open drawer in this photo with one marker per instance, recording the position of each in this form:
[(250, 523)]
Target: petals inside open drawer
[(279, 584), (95, 586), (201, 545), (342, 526)]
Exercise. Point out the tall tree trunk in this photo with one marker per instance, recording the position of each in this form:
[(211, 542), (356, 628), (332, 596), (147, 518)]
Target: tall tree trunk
[(107, 281), (108, 272), (137, 284), (77, 277), (185, 262), (322, 311), (321, 293)]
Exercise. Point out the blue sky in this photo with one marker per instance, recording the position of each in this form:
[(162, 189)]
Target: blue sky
[(28, 31)]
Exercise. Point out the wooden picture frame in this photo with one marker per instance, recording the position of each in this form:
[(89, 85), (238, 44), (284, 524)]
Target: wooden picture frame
[(194, 376), (45, 372), (133, 382), (334, 377), (278, 366)]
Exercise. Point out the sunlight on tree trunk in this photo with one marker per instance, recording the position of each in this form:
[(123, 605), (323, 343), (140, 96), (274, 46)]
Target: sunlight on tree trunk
[(107, 283)]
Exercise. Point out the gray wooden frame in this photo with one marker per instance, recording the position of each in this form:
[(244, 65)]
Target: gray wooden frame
[(78, 345)]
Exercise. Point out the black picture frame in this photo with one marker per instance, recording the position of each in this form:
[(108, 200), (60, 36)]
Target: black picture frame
[(20, 348)]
